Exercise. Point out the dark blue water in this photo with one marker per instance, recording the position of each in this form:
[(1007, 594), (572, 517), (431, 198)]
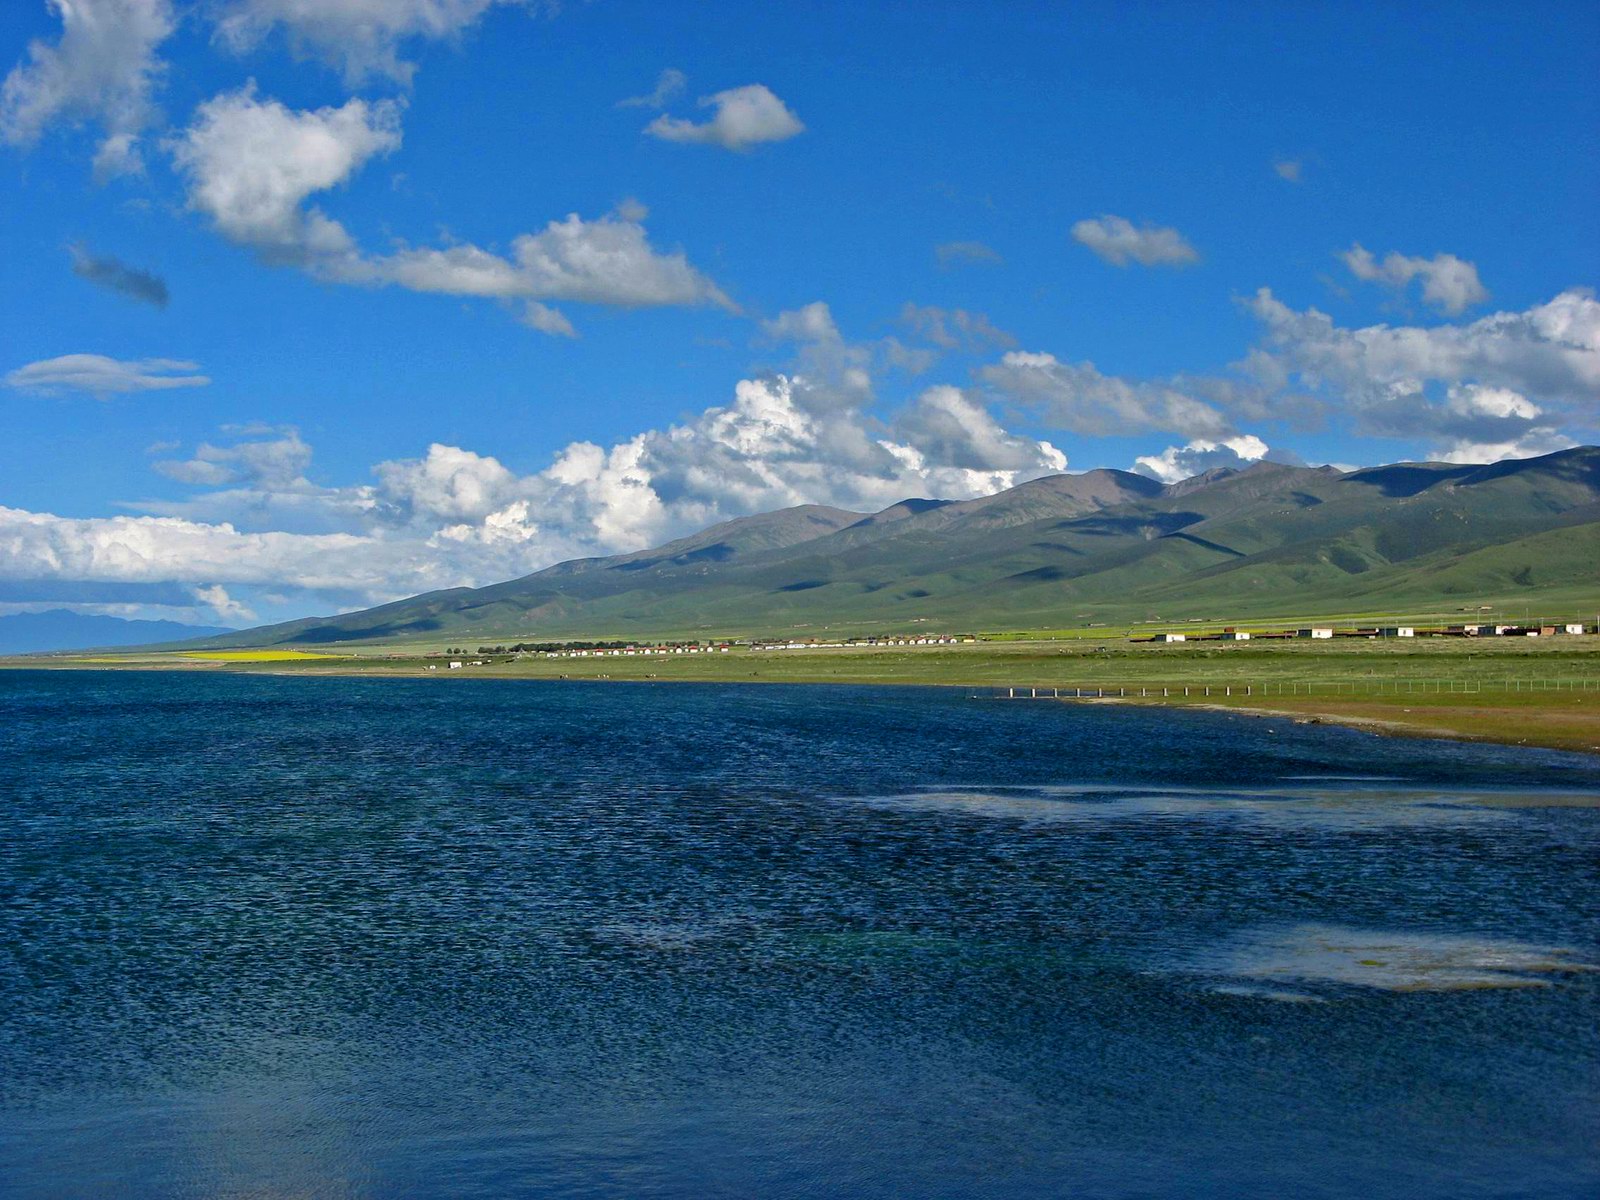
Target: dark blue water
[(297, 937)]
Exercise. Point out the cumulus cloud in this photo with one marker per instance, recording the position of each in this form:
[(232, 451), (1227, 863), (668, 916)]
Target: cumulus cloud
[(455, 516), (1119, 242), (1492, 382), (954, 254), (773, 447), (103, 377), (252, 165), (948, 427), (447, 486), (363, 37), (102, 69), (114, 275), (742, 117), (1077, 397), (1181, 462), (1449, 284), (669, 86)]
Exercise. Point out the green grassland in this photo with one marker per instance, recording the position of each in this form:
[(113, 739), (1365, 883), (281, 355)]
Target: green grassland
[(1541, 691)]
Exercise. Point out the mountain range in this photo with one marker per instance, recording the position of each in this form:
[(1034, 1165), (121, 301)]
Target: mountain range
[(1064, 550), (63, 629)]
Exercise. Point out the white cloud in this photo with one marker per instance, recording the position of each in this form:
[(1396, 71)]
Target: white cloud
[(43, 546), (102, 69), (831, 373), (1079, 398), (448, 485), (1449, 284), (1501, 378), (669, 86), (1118, 241), (547, 320), (225, 607), (260, 482), (948, 427), (954, 328), (951, 254), (1181, 462), (608, 260), (363, 37), (812, 322), (1290, 170), (743, 117), (457, 517), (1529, 445), (1473, 400), (251, 164), (102, 377), (1549, 352), (275, 464)]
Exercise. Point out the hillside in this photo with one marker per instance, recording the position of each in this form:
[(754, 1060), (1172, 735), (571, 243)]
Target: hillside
[(1103, 546)]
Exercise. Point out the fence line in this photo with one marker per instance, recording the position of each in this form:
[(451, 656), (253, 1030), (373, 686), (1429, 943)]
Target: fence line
[(1293, 687)]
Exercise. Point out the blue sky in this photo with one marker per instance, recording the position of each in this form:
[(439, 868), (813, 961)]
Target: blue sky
[(310, 305)]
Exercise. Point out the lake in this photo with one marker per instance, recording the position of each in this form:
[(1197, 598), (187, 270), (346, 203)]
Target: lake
[(297, 937)]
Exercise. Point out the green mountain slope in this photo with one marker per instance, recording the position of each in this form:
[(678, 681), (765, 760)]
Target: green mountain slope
[(1102, 546)]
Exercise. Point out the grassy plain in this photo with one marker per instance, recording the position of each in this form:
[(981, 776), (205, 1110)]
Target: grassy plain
[(1535, 691)]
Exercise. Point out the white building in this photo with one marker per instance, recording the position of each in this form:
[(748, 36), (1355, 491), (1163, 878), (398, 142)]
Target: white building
[(1398, 631), (1235, 635), (1170, 637), (1316, 631)]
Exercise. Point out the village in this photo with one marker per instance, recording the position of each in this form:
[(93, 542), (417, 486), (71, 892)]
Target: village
[(1328, 632), (455, 659)]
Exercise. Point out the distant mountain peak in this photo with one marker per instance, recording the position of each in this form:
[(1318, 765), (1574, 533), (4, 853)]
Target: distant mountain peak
[(1059, 549)]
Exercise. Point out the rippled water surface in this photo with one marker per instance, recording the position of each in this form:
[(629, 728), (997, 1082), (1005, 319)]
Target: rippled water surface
[(310, 937)]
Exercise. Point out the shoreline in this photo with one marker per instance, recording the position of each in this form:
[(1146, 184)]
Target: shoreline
[(1317, 712), (1562, 721)]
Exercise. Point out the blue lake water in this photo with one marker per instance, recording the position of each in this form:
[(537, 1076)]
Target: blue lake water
[(289, 937)]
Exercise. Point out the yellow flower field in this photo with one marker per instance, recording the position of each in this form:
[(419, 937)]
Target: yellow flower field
[(256, 655)]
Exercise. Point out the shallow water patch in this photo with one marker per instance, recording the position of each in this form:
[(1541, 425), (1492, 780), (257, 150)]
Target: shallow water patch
[(1299, 807), (1388, 960)]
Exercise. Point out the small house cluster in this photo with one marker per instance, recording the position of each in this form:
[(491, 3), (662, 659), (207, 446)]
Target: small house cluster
[(635, 651), (864, 642), (1329, 632)]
